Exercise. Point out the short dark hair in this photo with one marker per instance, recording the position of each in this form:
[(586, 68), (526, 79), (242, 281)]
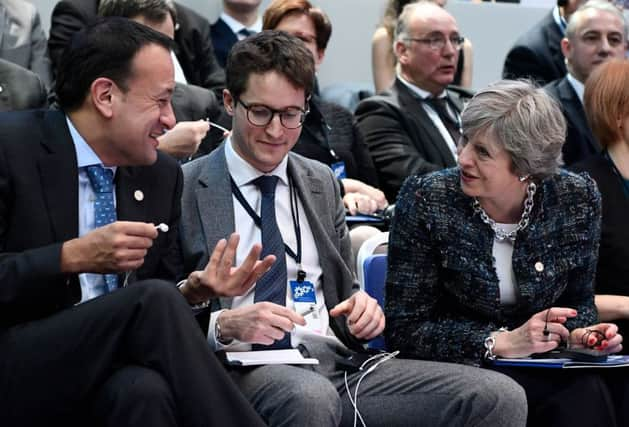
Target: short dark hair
[(152, 10), (105, 48), (279, 9), (270, 51)]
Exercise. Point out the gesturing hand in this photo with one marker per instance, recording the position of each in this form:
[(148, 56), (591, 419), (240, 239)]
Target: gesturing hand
[(365, 318), (260, 323), (116, 247), (541, 333), (220, 278)]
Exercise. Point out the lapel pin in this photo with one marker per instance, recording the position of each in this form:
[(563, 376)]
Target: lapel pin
[(138, 195), (539, 267), (1, 88)]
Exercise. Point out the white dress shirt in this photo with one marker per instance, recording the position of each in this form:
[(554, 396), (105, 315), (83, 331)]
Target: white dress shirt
[(236, 26), (434, 116), (243, 173), (578, 87), (92, 285)]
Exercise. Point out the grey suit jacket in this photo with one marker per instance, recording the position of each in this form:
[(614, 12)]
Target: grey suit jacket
[(20, 89), (22, 39), (208, 216)]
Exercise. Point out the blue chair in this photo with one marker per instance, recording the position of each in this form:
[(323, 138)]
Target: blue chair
[(374, 277)]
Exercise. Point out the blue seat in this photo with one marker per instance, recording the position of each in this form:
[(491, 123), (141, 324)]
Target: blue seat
[(374, 275)]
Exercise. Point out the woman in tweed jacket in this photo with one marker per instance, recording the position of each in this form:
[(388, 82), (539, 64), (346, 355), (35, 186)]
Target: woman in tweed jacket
[(497, 257)]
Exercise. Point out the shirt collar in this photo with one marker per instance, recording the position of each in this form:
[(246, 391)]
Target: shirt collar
[(423, 94), (85, 155), (578, 87), (236, 26), (559, 20), (243, 173)]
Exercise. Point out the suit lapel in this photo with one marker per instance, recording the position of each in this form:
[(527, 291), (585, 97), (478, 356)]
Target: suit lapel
[(59, 177), (575, 113), (414, 111), (130, 192), (214, 203)]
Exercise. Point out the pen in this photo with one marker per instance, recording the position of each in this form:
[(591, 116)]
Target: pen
[(216, 125)]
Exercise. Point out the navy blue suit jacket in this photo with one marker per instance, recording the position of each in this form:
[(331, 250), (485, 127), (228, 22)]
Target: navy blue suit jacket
[(223, 38)]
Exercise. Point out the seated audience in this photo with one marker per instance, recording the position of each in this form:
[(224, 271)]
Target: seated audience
[(607, 109), (309, 299), (596, 33), (22, 38), (196, 63), (383, 60), (20, 89), (496, 258), (537, 53), (414, 127), (329, 133), (192, 105), (238, 20), (78, 346)]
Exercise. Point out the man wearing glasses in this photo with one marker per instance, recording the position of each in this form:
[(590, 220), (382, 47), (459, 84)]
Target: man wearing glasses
[(413, 128), (309, 299)]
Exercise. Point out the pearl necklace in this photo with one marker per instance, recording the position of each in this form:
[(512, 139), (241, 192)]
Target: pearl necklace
[(500, 234)]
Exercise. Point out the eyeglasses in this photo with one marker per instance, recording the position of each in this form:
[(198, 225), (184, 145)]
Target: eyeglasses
[(260, 115), (439, 42)]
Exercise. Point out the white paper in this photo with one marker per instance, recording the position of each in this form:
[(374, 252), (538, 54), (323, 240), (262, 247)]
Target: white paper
[(269, 357)]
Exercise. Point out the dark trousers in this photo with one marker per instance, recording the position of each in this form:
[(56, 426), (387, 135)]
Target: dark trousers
[(135, 357), (573, 397)]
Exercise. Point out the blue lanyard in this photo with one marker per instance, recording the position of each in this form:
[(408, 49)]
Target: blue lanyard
[(294, 211)]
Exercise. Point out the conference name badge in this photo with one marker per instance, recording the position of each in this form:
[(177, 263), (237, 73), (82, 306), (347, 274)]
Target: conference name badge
[(305, 301)]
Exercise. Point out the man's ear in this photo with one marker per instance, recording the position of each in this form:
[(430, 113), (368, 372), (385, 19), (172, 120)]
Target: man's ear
[(319, 58), (565, 47), (101, 92), (401, 51), (228, 102)]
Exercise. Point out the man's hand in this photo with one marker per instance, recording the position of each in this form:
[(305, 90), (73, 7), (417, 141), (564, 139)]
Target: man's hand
[(260, 323), (220, 278), (116, 247), (183, 139), (365, 318)]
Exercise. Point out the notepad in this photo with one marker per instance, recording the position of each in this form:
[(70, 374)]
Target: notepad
[(613, 361), (268, 357)]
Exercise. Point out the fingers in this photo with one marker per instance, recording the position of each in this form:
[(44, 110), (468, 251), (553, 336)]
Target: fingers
[(359, 203), (134, 228), (344, 307), (556, 314)]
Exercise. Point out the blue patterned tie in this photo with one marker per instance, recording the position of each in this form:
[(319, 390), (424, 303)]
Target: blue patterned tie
[(102, 181), (272, 285)]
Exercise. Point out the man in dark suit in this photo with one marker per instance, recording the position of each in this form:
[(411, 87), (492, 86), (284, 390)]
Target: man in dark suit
[(254, 185), (537, 53), (595, 33), (414, 127), (240, 18), (20, 89), (193, 46), (75, 349)]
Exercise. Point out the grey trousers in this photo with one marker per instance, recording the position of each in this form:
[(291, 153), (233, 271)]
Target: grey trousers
[(398, 392)]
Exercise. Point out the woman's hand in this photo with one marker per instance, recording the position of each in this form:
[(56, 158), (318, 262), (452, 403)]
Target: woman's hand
[(602, 337), (541, 333)]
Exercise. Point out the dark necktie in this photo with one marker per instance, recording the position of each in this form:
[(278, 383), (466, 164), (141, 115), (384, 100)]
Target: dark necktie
[(440, 105), (102, 181), (245, 32), (272, 285)]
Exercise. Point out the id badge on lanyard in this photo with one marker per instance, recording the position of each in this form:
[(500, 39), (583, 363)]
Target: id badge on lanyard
[(305, 301)]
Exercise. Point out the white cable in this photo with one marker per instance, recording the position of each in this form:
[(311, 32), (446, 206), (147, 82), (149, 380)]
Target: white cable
[(354, 401)]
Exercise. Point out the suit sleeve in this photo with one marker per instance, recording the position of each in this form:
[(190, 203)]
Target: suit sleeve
[(65, 21), (390, 143), (31, 282)]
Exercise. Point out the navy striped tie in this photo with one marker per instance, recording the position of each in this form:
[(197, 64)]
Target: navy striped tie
[(272, 285)]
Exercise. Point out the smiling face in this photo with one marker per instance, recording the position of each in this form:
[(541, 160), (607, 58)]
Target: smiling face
[(140, 115), (430, 70), (264, 148), (599, 37), (487, 172)]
